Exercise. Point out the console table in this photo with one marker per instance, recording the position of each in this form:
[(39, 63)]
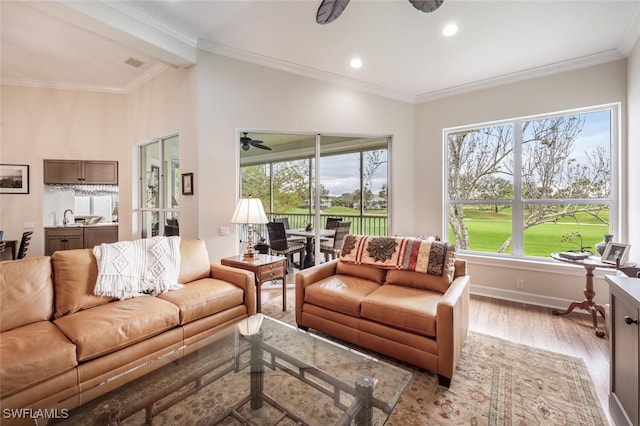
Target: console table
[(265, 268), (589, 264)]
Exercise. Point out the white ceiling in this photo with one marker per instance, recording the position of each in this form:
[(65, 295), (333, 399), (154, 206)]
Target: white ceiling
[(84, 44)]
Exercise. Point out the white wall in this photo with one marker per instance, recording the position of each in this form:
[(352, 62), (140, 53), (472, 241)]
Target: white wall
[(164, 105), (633, 154), (40, 124), (236, 95), (551, 283)]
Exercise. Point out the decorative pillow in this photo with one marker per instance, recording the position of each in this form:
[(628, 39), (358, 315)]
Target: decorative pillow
[(439, 283), (405, 253)]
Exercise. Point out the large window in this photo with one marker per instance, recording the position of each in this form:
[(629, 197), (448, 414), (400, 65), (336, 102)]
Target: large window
[(159, 187), (532, 186)]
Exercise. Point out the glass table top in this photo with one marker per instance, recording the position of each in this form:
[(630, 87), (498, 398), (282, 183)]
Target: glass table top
[(258, 371)]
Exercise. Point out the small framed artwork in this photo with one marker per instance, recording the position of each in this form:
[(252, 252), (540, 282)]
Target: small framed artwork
[(615, 252), (14, 179), (187, 184)]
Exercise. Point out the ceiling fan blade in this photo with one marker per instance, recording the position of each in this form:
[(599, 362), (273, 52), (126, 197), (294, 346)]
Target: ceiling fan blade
[(330, 10), (426, 5), (257, 145)]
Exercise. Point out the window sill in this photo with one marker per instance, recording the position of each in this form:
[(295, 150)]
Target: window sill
[(531, 264)]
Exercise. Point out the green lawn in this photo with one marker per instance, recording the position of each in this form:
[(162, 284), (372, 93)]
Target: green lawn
[(489, 230)]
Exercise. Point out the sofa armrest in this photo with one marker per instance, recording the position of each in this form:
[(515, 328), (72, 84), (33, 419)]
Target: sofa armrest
[(452, 324), (309, 276), (241, 278)]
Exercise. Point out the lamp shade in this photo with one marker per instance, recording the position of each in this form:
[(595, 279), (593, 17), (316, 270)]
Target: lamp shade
[(249, 210)]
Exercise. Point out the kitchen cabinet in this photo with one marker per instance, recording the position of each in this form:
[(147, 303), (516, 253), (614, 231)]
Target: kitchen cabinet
[(96, 235), (93, 172), (624, 396), (63, 239), (78, 237)]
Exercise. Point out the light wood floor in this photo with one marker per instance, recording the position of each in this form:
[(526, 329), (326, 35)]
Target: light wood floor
[(535, 326)]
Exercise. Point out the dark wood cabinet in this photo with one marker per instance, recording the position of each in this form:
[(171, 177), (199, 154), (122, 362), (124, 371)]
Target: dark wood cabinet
[(63, 239), (624, 396), (92, 172), (77, 237), (96, 235)]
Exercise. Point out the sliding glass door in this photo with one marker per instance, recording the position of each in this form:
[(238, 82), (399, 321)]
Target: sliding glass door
[(351, 185)]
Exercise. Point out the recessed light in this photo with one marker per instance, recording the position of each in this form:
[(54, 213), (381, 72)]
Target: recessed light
[(356, 63), (449, 30)]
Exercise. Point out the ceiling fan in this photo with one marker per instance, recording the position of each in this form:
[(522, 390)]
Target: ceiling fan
[(247, 143), (330, 10)]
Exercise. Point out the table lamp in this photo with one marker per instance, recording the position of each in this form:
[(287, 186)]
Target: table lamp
[(249, 211)]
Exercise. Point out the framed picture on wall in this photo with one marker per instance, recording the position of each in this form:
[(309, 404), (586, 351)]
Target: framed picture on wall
[(187, 184), (615, 252), (14, 179)]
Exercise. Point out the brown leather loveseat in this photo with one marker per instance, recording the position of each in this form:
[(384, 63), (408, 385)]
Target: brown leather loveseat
[(60, 345), (416, 317)]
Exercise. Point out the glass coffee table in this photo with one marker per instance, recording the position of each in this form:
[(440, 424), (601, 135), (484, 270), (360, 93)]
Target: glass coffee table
[(259, 371)]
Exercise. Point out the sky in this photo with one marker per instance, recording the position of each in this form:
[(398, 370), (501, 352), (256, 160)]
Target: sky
[(341, 174)]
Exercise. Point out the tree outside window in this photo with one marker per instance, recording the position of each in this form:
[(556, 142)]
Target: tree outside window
[(517, 187)]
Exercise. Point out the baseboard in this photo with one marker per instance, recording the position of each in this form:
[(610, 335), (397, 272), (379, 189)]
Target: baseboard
[(519, 296)]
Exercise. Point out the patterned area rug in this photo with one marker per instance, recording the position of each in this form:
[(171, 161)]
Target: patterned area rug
[(497, 382)]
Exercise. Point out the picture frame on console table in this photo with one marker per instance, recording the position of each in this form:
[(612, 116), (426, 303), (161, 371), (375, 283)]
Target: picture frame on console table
[(14, 179), (615, 251)]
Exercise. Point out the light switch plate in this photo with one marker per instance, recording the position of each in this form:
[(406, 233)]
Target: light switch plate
[(224, 231), (28, 225)]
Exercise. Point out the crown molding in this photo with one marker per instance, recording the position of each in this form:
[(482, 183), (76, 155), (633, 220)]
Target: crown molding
[(151, 21), (153, 71), (134, 84), (61, 85), (290, 67), (570, 65)]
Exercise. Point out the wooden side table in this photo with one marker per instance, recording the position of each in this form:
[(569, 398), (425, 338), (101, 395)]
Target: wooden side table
[(589, 264), (265, 268)]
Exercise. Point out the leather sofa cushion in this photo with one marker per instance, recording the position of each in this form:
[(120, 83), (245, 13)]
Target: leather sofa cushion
[(340, 293), (116, 325), (402, 307), (26, 292), (194, 261), (367, 272), (426, 281), (32, 354), (75, 273), (204, 297)]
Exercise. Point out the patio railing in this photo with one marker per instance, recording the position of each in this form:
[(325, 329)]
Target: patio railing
[(375, 225)]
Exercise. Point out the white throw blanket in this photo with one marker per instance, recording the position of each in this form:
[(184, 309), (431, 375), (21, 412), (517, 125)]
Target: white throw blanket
[(128, 269)]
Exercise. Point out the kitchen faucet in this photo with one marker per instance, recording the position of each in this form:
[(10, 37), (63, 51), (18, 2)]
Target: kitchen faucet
[(64, 216)]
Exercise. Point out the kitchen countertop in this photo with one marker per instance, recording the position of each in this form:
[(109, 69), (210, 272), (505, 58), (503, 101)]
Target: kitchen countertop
[(81, 225)]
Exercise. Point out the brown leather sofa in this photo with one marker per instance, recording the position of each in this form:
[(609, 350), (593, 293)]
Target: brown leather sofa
[(411, 316), (61, 346)]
